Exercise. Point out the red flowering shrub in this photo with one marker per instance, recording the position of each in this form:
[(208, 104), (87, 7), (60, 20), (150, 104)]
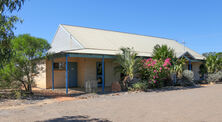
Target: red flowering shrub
[(155, 71)]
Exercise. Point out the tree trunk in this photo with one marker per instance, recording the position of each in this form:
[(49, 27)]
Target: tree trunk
[(125, 83), (29, 88), (26, 89), (29, 84)]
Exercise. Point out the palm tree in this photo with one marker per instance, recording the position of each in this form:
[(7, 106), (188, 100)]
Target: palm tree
[(212, 63), (219, 62), (163, 52), (178, 67), (127, 64)]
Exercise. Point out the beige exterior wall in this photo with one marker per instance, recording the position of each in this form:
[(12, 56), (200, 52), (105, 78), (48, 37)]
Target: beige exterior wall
[(59, 75), (40, 79), (90, 71), (195, 69), (86, 70)]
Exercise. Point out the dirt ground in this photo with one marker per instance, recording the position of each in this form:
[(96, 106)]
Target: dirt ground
[(203, 104)]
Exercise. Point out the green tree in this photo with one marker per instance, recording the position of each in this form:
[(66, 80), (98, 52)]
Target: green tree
[(163, 52), (177, 66), (203, 69), (23, 65), (209, 53), (7, 23), (219, 58), (214, 63), (128, 64)]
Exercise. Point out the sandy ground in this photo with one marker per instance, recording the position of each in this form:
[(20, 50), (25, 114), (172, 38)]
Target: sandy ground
[(190, 105)]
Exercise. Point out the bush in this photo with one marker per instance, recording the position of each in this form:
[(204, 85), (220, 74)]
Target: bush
[(128, 63), (189, 75), (17, 94), (187, 79), (215, 77), (155, 72), (139, 86)]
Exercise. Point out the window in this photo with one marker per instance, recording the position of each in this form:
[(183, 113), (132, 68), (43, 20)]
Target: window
[(59, 66)]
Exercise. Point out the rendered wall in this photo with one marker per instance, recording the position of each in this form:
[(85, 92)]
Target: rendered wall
[(59, 75), (195, 69), (90, 71), (40, 79), (86, 70)]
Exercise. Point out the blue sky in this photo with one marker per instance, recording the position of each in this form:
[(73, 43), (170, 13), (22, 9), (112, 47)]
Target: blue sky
[(197, 22)]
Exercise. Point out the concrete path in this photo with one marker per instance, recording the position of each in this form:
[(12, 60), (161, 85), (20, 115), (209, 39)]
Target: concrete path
[(191, 105)]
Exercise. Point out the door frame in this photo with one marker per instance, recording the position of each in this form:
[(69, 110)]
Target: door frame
[(69, 67)]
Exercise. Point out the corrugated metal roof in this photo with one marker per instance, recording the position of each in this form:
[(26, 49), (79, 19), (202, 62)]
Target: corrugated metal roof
[(109, 42)]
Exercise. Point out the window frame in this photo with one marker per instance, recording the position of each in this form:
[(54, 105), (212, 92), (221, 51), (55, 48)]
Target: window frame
[(59, 65)]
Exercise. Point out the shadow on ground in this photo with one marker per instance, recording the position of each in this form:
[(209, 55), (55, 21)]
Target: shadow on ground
[(79, 118), (51, 94), (173, 88), (164, 89)]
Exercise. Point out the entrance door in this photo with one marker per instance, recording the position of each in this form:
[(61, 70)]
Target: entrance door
[(72, 67)]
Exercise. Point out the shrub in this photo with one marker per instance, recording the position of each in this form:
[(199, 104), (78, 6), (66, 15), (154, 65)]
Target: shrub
[(127, 65), (187, 79), (18, 94), (156, 72), (215, 77), (139, 86), (189, 75), (213, 62)]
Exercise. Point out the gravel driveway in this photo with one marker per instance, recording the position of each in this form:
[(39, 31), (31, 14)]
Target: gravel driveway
[(191, 105)]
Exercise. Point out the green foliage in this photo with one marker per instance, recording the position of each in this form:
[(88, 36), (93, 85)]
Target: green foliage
[(17, 94), (139, 86), (177, 66), (203, 69), (163, 52), (214, 63), (29, 47), (7, 76), (209, 53), (7, 23), (127, 64), (214, 77), (187, 79), (23, 65), (189, 75), (156, 72)]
